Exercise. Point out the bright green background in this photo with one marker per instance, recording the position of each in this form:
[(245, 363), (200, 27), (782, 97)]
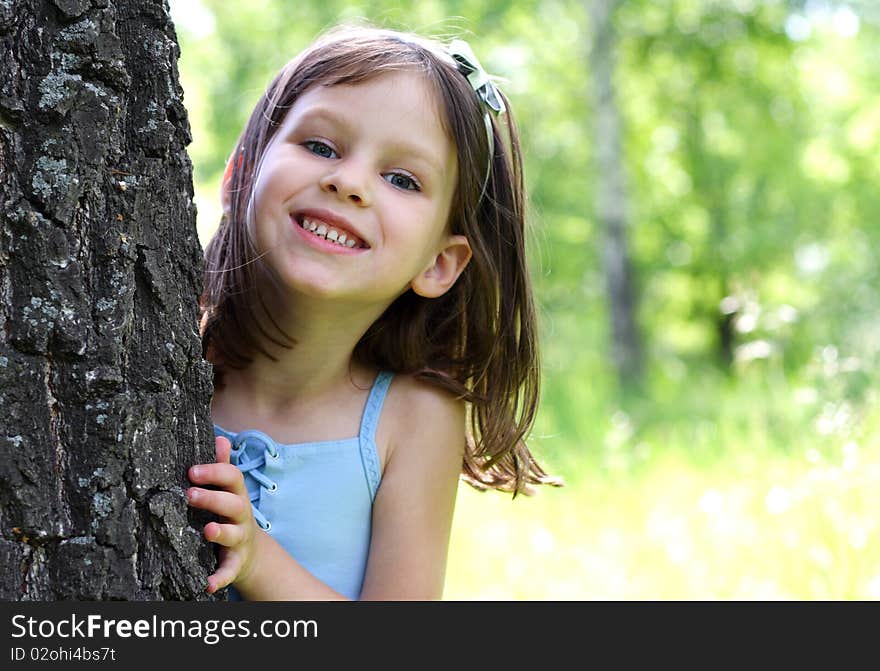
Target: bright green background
[(752, 132)]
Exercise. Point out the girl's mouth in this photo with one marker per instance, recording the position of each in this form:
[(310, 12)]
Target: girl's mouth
[(322, 230), (328, 238)]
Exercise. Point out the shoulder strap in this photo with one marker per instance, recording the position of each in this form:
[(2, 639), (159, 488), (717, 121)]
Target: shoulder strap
[(369, 422)]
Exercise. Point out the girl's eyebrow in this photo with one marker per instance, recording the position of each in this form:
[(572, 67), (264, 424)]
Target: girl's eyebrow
[(413, 150), (318, 113), (419, 153)]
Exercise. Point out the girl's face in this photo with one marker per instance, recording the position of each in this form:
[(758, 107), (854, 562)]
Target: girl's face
[(370, 162)]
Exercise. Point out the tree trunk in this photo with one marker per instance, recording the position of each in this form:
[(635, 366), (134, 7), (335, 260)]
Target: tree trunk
[(104, 394), (611, 197)]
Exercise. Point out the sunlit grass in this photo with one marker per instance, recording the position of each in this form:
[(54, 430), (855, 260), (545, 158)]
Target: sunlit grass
[(766, 517)]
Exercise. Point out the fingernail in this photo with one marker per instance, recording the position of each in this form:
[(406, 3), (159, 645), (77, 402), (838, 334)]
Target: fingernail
[(191, 494), (196, 471)]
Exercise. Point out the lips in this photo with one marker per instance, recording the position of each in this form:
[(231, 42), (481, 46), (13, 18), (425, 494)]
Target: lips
[(336, 226)]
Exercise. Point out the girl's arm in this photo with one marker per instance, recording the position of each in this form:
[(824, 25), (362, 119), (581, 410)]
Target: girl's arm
[(413, 510)]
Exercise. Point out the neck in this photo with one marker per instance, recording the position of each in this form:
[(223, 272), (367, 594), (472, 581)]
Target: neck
[(319, 365)]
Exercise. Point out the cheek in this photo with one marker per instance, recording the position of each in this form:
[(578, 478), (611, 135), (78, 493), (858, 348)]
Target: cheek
[(273, 177), (263, 190), (267, 201), (425, 250), (260, 217)]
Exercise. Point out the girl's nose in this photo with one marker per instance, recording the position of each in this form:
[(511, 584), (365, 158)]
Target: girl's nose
[(348, 183)]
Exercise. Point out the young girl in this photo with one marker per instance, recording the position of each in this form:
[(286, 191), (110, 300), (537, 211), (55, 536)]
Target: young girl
[(369, 317)]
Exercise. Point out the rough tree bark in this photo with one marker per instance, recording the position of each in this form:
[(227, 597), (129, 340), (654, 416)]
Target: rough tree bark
[(611, 196), (103, 391)]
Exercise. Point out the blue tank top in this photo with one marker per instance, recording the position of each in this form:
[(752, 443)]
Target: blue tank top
[(316, 499)]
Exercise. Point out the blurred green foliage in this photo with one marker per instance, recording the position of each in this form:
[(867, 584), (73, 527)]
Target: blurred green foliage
[(752, 131)]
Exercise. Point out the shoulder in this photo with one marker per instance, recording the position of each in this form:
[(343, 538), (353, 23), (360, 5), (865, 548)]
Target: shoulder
[(421, 410)]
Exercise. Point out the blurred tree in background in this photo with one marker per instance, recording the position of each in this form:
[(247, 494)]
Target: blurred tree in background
[(749, 142)]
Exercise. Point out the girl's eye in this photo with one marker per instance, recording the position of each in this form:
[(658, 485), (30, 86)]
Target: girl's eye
[(319, 149), (402, 181)]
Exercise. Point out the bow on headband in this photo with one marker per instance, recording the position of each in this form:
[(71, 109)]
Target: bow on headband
[(470, 67)]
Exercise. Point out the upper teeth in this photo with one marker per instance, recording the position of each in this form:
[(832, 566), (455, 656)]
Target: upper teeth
[(328, 232)]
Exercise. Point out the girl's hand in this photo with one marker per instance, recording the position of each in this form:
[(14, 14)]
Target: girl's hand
[(236, 533)]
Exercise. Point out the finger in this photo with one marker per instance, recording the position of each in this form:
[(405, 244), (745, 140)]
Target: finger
[(227, 535), (225, 574), (225, 476), (222, 448), (225, 504)]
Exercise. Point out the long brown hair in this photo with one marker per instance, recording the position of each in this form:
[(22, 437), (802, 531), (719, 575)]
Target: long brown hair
[(479, 339)]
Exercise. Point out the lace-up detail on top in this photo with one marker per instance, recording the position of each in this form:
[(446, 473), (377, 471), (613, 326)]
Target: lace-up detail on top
[(249, 452)]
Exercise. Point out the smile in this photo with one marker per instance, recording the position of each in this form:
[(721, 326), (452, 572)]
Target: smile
[(328, 238), (322, 230)]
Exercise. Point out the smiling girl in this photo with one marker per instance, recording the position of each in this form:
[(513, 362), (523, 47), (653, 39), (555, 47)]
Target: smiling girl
[(370, 320)]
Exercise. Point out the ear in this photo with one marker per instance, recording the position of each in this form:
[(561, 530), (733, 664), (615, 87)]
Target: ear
[(444, 270)]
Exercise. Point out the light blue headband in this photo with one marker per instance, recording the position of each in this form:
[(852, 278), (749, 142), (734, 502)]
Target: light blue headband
[(470, 67)]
